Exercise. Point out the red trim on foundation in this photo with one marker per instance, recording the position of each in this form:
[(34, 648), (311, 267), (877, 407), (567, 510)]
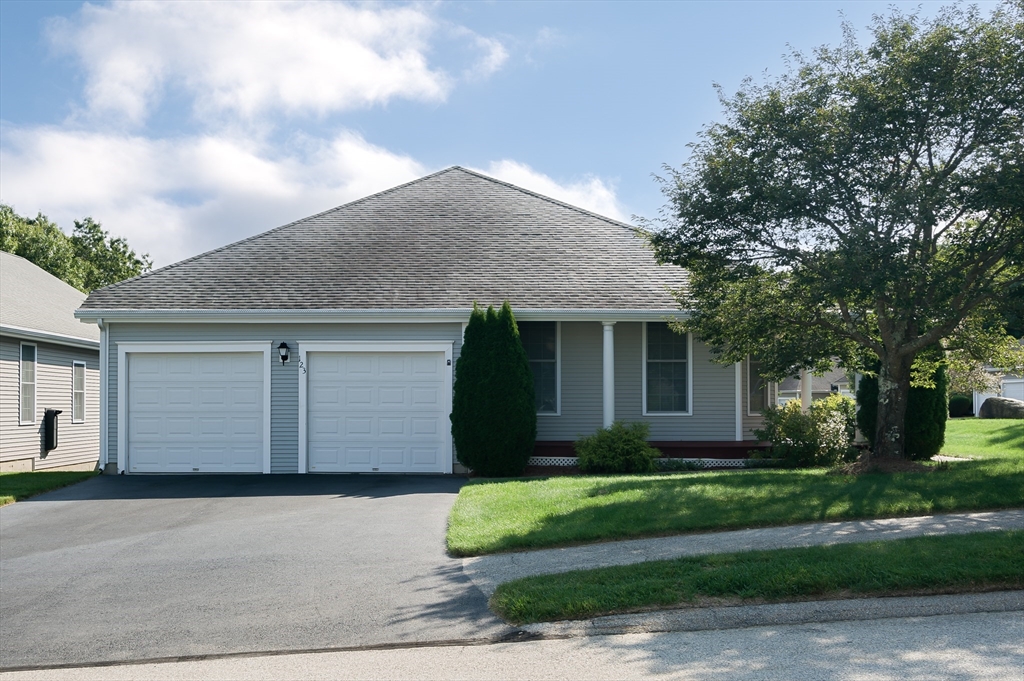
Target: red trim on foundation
[(670, 449)]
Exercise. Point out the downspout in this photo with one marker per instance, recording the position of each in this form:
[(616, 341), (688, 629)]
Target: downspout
[(104, 396)]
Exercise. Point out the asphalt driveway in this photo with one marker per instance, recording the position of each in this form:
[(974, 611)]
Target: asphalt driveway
[(137, 567)]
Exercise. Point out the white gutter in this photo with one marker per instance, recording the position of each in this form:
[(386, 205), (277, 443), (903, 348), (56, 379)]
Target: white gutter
[(49, 337), (455, 315)]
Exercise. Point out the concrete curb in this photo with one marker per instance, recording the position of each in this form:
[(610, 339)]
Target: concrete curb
[(776, 614), (487, 572)]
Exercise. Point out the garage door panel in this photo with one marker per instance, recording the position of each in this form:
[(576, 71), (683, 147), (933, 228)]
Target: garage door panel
[(190, 412), (392, 407)]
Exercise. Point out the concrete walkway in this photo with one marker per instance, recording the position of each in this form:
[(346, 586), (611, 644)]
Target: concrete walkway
[(487, 572)]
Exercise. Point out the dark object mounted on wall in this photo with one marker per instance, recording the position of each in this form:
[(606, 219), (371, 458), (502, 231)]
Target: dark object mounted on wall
[(50, 429)]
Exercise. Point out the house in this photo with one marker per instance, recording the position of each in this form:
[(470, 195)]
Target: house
[(48, 360), (329, 344), (1010, 385), (834, 382)]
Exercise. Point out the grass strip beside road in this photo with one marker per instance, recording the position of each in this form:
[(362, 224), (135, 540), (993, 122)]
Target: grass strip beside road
[(18, 486), (952, 564), (510, 515)]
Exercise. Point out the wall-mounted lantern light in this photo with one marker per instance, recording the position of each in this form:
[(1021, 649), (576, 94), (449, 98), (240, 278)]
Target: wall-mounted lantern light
[(283, 349)]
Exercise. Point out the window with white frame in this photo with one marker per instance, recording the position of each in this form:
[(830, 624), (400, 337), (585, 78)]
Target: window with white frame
[(27, 382), (666, 370), (78, 392), (540, 340), (757, 389)]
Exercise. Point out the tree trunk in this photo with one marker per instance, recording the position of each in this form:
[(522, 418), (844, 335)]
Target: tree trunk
[(893, 392)]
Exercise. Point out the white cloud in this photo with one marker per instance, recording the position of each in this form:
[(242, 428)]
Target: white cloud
[(246, 59), (591, 192), (174, 198)]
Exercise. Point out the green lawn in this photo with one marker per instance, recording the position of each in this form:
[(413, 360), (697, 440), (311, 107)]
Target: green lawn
[(18, 486), (984, 561), (490, 517)]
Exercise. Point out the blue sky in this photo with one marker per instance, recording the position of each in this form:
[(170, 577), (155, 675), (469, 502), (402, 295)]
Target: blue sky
[(186, 125)]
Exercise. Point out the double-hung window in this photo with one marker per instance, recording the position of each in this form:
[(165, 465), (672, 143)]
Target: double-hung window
[(27, 383), (78, 392), (540, 340), (757, 389), (666, 370)]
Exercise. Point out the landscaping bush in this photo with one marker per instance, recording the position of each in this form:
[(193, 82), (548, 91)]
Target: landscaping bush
[(961, 405), (621, 448), (494, 418), (924, 422), (822, 438)]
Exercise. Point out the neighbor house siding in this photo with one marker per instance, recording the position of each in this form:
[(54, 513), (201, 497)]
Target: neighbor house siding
[(713, 393), (284, 381), (78, 443)]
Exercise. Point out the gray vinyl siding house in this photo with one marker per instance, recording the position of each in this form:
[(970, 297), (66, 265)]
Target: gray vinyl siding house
[(48, 360), (369, 302)]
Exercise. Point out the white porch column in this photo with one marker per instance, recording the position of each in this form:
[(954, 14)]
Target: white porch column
[(805, 391), (739, 401), (609, 373)]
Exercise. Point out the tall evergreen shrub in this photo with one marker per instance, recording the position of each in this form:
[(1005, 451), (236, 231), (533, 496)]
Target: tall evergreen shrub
[(494, 418), (925, 420)]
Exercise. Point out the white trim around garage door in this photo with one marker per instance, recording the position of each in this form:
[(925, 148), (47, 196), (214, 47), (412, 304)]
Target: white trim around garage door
[(306, 347), (125, 349)]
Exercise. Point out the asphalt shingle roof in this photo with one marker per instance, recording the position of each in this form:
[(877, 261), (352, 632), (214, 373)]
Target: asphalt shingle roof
[(442, 241), (32, 298)]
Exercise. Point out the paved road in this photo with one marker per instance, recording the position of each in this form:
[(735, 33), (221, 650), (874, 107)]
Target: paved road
[(981, 646), (133, 567)]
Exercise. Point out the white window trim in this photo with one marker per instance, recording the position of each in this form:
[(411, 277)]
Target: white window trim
[(305, 347), (558, 374), (35, 386), (125, 349), (85, 392), (689, 377), (767, 390)]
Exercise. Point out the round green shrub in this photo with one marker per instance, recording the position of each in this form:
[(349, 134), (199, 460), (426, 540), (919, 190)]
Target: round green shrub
[(961, 405), (621, 448), (824, 437)]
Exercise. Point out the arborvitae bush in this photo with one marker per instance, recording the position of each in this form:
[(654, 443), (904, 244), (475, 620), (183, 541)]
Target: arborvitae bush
[(961, 405), (924, 422), (620, 448), (494, 418)]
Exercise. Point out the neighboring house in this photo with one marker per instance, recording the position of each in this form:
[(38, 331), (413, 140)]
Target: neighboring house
[(1010, 385), (834, 382), (48, 360), (370, 301)]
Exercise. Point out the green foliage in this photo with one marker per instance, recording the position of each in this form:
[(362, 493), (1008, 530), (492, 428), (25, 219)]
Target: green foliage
[(88, 259), (925, 419), (494, 418), (961, 405), (824, 437), (620, 448), (22, 485), (864, 206)]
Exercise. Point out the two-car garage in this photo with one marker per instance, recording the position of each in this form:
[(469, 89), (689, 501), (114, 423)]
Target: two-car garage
[(363, 408)]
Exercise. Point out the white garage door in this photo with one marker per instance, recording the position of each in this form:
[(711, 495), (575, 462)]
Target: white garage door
[(195, 412), (377, 411), (1013, 389)]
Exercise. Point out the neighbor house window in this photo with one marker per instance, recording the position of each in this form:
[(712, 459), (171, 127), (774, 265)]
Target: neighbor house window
[(78, 392), (666, 370), (540, 340), (27, 380), (757, 389)]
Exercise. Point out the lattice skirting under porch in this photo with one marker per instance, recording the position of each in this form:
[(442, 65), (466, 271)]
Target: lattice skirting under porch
[(702, 463)]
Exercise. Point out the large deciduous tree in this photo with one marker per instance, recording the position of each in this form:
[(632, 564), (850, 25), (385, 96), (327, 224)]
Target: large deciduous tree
[(867, 204), (88, 259)]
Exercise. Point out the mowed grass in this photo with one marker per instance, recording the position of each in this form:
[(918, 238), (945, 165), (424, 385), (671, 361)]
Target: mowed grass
[(952, 564), (18, 486), (495, 516)]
